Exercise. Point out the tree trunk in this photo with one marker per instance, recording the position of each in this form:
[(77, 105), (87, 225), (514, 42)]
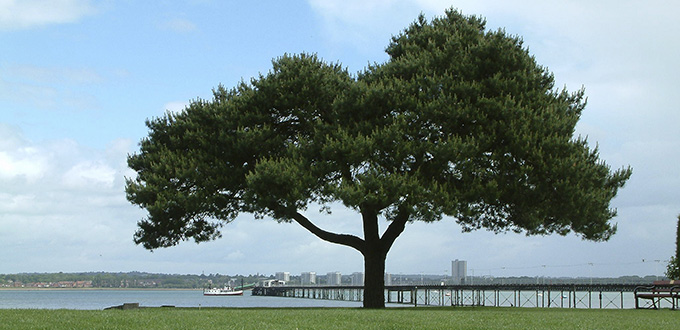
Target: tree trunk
[(374, 281), (372, 247)]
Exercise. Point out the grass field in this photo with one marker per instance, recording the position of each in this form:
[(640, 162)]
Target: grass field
[(340, 318)]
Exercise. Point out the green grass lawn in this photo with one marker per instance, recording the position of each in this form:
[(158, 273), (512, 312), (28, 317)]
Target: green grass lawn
[(340, 318)]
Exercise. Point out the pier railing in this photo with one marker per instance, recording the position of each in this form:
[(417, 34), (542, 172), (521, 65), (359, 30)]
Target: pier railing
[(508, 295)]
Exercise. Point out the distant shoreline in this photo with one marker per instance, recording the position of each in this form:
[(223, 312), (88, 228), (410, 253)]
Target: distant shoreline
[(96, 289)]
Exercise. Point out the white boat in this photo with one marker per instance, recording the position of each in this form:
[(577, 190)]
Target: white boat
[(226, 291)]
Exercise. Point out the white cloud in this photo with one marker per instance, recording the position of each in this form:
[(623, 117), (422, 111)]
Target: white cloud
[(15, 202), (357, 24), (19, 92), (58, 199), (235, 256), (37, 74), (89, 173), (352, 11), (175, 106), (51, 177), (49, 87), (24, 163), (18, 159), (23, 14), (178, 25)]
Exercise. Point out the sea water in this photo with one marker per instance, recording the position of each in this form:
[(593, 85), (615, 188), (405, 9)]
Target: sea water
[(93, 299)]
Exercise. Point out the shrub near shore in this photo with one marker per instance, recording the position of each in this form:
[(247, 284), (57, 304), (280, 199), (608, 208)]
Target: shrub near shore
[(340, 318)]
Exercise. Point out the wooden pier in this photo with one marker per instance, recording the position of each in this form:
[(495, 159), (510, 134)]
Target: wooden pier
[(509, 295)]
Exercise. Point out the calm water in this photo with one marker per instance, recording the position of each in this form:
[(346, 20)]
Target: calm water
[(100, 299)]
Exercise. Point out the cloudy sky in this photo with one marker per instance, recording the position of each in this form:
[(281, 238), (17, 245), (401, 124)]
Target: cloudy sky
[(79, 77)]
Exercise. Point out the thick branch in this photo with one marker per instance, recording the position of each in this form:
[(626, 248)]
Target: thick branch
[(394, 230), (342, 239)]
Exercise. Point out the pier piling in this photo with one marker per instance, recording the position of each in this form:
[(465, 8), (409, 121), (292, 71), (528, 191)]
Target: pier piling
[(524, 295)]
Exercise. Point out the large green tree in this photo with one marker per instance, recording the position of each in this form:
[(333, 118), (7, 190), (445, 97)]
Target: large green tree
[(459, 122)]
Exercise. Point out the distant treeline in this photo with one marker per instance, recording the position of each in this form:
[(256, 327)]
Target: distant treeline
[(125, 280)]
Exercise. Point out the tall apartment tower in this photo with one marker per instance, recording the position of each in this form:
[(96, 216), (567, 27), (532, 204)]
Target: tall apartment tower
[(334, 278), (388, 279), (308, 278), (357, 279), (458, 271), (283, 276)]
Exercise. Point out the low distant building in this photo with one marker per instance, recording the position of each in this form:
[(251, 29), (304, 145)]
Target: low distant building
[(13, 284), (388, 279), (271, 283)]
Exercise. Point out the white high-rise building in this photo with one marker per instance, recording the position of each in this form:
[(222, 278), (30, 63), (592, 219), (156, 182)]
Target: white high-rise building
[(458, 271), (388, 279), (358, 279), (283, 276), (333, 278), (308, 278)]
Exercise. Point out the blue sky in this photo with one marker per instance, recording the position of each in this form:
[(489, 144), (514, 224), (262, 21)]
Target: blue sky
[(78, 78)]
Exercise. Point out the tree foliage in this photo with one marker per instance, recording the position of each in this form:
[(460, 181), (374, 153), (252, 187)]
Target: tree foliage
[(673, 267), (459, 122)]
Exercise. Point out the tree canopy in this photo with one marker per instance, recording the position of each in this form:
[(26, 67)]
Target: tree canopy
[(459, 122)]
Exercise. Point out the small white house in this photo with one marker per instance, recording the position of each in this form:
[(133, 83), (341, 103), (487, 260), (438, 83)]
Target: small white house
[(271, 283)]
